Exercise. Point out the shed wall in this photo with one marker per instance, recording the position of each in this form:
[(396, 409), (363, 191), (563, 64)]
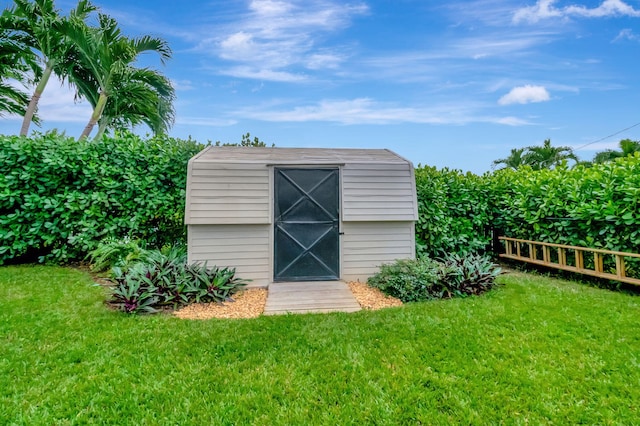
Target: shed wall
[(221, 193), (367, 245), (378, 192), (244, 247)]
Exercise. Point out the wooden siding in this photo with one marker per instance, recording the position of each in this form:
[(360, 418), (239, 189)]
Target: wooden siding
[(379, 192), (244, 247), (367, 245), (227, 194)]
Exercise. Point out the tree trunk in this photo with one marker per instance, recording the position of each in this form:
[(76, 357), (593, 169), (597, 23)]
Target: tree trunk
[(33, 103), (102, 126), (95, 116)]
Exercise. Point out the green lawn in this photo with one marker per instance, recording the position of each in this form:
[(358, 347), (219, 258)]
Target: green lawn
[(536, 350)]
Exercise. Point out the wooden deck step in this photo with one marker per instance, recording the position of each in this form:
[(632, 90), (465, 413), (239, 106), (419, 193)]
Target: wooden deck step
[(310, 296)]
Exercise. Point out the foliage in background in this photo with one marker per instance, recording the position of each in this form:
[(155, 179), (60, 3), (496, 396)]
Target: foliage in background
[(98, 61), (59, 198), (596, 206), (35, 27), (426, 279), (540, 157), (247, 141), (627, 148), (454, 212), (165, 279)]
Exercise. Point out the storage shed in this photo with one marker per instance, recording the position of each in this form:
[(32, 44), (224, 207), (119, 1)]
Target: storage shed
[(300, 214)]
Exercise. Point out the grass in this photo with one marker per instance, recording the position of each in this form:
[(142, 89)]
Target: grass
[(536, 350)]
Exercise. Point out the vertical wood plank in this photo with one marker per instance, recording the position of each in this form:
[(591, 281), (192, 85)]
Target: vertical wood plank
[(598, 262), (562, 257), (579, 259), (620, 267), (546, 256)]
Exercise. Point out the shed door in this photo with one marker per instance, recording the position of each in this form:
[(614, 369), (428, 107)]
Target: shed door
[(306, 224)]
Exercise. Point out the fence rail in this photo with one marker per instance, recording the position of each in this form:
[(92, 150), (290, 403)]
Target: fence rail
[(570, 258)]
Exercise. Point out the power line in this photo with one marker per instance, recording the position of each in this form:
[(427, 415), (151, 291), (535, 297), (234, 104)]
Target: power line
[(607, 137)]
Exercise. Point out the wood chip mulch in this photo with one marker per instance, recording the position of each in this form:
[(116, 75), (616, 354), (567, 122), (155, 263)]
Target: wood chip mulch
[(250, 303), (371, 298), (247, 304)]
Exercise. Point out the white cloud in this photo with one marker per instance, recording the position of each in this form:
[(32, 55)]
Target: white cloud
[(524, 95), (367, 111), (324, 61), (627, 34), (606, 8), (57, 104), (263, 74), (545, 9), (205, 121), (182, 85), (513, 121), (276, 34)]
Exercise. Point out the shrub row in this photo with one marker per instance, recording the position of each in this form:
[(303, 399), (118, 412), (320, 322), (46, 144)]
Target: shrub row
[(595, 206), (166, 280), (60, 197)]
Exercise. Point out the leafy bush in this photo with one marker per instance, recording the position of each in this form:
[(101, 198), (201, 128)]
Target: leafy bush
[(409, 280), (166, 280), (113, 252), (426, 279), (60, 197), (471, 274)]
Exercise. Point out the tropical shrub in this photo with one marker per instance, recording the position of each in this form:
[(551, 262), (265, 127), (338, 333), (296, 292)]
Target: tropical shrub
[(59, 198), (166, 280), (409, 280), (113, 252), (426, 279), (467, 275)]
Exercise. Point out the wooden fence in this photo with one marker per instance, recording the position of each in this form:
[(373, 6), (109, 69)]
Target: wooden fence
[(595, 262)]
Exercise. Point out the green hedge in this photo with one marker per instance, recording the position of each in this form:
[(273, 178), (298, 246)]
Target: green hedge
[(59, 197), (454, 212), (596, 207)]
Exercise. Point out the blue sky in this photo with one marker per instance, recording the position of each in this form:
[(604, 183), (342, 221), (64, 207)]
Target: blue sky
[(451, 84)]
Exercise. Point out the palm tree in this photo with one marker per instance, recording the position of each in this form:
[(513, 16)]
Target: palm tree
[(16, 66), (627, 147), (515, 160), (108, 56), (547, 156), (41, 24), (138, 96)]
